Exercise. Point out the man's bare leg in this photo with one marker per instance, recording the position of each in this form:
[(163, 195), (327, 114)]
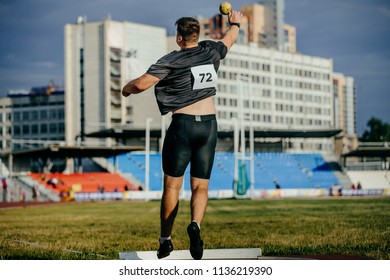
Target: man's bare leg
[(168, 212), (199, 198), (169, 203)]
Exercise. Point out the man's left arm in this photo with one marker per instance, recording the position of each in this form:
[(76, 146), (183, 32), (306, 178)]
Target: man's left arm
[(139, 84)]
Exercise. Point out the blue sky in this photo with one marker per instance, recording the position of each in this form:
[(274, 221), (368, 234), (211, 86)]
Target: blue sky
[(354, 33)]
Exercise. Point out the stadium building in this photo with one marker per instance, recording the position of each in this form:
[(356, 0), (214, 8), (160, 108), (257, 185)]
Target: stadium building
[(286, 90), (30, 118), (290, 106)]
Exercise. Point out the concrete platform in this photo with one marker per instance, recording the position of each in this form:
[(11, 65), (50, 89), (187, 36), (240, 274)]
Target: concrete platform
[(208, 254)]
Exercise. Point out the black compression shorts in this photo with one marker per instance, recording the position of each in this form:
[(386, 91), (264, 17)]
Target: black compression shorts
[(190, 139)]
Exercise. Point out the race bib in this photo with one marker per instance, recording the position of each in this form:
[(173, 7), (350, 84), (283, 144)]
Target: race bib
[(204, 76)]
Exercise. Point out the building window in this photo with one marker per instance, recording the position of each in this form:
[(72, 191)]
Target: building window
[(43, 127), (34, 115), (53, 114), (16, 116), (266, 93), (34, 129), (61, 128), (25, 116), (53, 128), (43, 115), (26, 129), (61, 114), (266, 67), (17, 130)]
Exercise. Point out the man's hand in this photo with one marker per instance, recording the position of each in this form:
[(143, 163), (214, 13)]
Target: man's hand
[(232, 34), (234, 16)]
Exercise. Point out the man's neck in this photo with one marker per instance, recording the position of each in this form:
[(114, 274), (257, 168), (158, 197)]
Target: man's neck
[(188, 46)]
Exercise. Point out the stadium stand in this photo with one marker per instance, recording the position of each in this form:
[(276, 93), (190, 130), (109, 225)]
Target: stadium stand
[(276, 174), (134, 164), (82, 182), (290, 171)]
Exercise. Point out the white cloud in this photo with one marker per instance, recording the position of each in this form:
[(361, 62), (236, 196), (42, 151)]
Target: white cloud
[(385, 11), (44, 64)]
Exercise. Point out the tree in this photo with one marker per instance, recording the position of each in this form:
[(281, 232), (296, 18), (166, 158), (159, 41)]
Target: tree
[(378, 131)]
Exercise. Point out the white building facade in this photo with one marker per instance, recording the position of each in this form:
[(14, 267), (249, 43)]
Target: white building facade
[(287, 92), (100, 58)]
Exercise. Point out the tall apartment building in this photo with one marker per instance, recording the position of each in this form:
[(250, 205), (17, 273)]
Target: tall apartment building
[(290, 39), (217, 26), (344, 98), (344, 103), (262, 25), (274, 23), (100, 57)]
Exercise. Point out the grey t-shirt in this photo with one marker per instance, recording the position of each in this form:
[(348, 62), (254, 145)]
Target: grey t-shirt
[(188, 75)]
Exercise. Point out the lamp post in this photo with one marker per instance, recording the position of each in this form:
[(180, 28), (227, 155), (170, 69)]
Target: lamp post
[(147, 153)]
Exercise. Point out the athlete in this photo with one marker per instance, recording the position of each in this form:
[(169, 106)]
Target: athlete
[(185, 83)]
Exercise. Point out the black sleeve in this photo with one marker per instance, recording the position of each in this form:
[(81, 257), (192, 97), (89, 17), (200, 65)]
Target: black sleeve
[(222, 49), (219, 46), (160, 69)]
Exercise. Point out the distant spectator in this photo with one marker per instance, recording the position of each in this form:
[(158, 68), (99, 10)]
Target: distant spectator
[(353, 187), (4, 183), (43, 178), (22, 196), (101, 188), (335, 190), (34, 193), (53, 182), (116, 190), (278, 192), (359, 186), (5, 188), (62, 194)]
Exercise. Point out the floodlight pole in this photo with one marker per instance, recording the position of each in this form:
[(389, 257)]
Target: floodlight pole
[(251, 140), (147, 153), (161, 147), (236, 141), (242, 119)]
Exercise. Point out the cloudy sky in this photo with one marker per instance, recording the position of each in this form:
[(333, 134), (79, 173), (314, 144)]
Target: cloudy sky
[(354, 33)]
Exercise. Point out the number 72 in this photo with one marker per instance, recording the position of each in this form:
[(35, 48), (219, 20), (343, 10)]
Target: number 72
[(207, 76)]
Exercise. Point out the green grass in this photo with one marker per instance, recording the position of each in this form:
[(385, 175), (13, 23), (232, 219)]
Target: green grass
[(282, 227)]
